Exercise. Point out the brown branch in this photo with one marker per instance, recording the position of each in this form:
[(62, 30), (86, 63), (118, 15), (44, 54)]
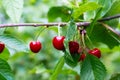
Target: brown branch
[(109, 18), (42, 24), (109, 28), (55, 24)]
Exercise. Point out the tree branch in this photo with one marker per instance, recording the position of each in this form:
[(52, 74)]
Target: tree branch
[(109, 28), (109, 18), (42, 24), (56, 24)]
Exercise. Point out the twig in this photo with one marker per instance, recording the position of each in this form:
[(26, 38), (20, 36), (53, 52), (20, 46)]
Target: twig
[(56, 24), (42, 24), (109, 28), (109, 18)]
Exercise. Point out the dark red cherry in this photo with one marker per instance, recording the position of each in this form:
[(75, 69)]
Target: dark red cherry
[(73, 47), (82, 57)]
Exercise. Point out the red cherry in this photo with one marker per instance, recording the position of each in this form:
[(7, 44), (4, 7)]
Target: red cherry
[(2, 46), (58, 42), (96, 52), (35, 46), (82, 57), (73, 47)]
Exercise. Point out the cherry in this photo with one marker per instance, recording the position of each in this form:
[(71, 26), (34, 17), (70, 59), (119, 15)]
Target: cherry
[(35, 46), (82, 57), (73, 47), (96, 52), (2, 46), (58, 42)]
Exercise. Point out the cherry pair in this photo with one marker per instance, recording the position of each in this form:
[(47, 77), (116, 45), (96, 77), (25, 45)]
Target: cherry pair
[(96, 52), (58, 43)]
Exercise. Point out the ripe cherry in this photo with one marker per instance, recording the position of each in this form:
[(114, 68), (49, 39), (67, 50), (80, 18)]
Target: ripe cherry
[(2, 46), (73, 47), (82, 57), (58, 42), (35, 46), (96, 52)]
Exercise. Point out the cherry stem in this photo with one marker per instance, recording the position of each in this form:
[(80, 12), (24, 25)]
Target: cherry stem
[(90, 41), (109, 28), (59, 29), (83, 40), (36, 38)]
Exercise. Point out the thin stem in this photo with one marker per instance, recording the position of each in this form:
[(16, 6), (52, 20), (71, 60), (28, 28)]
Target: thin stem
[(109, 18), (83, 40), (36, 38), (109, 28), (114, 37), (59, 29), (89, 41)]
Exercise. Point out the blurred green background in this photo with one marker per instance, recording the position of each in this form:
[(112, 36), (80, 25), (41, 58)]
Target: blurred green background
[(29, 66)]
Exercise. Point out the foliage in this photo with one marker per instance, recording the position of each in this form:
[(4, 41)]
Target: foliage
[(5, 71), (42, 66), (92, 68)]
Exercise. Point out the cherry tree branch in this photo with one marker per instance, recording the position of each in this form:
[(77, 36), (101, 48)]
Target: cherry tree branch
[(42, 24), (111, 29), (109, 18), (55, 24)]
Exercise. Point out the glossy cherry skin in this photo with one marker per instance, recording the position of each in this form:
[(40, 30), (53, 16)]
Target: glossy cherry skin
[(58, 42), (2, 46), (35, 46), (96, 52), (73, 47), (82, 57)]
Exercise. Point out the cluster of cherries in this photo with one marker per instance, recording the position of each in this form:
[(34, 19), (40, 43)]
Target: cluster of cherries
[(58, 43)]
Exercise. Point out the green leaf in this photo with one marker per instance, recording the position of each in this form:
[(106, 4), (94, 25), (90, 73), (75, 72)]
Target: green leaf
[(71, 31), (90, 28), (89, 15), (2, 30), (106, 5), (115, 76), (14, 9), (84, 8), (115, 9), (101, 35), (57, 69), (13, 44), (113, 23), (92, 69), (5, 71), (5, 54), (62, 12), (71, 60)]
